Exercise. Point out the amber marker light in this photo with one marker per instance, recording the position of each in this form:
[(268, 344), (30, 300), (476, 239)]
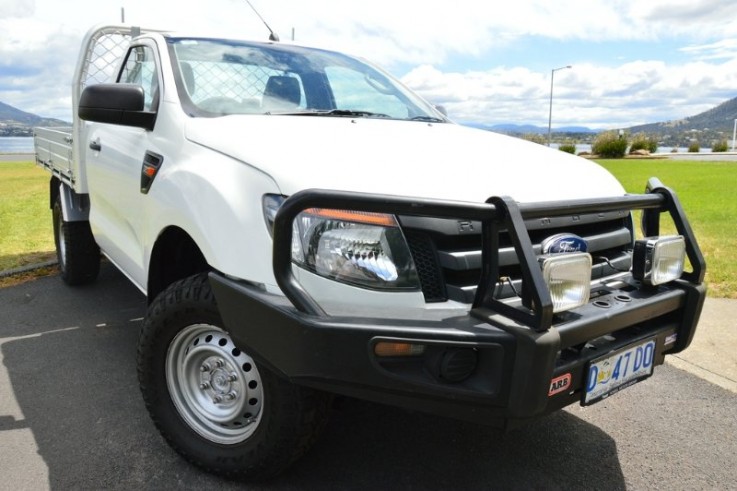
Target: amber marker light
[(393, 348), (366, 217)]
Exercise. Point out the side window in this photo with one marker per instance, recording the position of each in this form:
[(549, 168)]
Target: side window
[(140, 69)]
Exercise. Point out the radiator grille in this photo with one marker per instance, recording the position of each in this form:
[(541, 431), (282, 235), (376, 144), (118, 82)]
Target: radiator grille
[(447, 253)]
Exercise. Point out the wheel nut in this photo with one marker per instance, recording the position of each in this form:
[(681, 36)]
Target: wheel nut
[(205, 367), (205, 385), (231, 395), (232, 377), (217, 399), (220, 363)]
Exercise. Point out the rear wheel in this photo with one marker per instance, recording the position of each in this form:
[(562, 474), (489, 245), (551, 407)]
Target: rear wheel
[(210, 400), (76, 249)]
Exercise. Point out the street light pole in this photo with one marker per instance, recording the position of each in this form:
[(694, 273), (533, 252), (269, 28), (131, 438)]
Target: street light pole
[(734, 133), (550, 115)]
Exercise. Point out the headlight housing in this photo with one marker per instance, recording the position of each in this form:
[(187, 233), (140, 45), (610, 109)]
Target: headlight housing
[(359, 248)]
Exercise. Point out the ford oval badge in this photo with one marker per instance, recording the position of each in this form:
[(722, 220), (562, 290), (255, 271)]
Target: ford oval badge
[(559, 243)]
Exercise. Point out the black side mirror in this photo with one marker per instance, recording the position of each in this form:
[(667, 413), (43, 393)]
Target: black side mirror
[(115, 104)]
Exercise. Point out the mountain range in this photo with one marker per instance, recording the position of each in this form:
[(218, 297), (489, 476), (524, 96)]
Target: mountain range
[(528, 128), (720, 119), (714, 124), (14, 122)]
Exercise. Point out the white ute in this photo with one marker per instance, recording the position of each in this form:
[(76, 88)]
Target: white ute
[(303, 225)]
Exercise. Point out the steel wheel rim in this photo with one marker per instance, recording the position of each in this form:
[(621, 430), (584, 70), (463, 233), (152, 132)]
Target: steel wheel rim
[(215, 387)]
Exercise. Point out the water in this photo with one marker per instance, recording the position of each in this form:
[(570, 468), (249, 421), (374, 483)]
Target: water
[(16, 144)]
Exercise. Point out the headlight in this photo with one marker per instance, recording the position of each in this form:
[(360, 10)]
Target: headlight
[(359, 248), (365, 249), (568, 277), (658, 260)]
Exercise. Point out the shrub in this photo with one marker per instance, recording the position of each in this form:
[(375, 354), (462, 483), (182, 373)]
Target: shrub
[(719, 146), (694, 147), (641, 141), (610, 144), (568, 148)]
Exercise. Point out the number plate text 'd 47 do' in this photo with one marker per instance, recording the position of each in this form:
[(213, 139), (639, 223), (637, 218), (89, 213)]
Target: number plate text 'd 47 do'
[(614, 372)]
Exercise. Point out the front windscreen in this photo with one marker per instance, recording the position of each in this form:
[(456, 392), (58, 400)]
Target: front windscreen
[(220, 77)]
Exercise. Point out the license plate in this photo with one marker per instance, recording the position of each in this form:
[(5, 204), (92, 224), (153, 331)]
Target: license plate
[(614, 372)]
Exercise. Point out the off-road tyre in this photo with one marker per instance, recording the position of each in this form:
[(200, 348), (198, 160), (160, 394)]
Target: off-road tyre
[(76, 250), (186, 359)]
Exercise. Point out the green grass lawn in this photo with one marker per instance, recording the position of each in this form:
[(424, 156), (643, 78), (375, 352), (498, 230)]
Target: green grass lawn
[(26, 235), (706, 190), (708, 195)]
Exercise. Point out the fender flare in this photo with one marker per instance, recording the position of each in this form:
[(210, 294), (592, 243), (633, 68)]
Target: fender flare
[(75, 207)]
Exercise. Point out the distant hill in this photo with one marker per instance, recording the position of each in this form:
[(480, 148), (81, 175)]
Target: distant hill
[(522, 129), (14, 122), (706, 128), (539, 130), (716, 120)]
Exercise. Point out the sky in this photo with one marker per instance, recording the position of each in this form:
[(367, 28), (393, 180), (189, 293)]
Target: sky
[(632, 61)]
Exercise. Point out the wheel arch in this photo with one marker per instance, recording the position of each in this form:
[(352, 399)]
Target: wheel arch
[(175, 256)]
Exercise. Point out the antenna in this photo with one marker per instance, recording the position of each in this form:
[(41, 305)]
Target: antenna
[(273, 36)]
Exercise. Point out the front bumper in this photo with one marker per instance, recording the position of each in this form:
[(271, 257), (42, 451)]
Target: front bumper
[(512, 353)]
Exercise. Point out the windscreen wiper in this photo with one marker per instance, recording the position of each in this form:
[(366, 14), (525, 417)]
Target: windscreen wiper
[(350, 113), (429, 119)]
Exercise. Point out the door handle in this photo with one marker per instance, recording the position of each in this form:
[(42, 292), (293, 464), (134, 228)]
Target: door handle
[(95, 145)]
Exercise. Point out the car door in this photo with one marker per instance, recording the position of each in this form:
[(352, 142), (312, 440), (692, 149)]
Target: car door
[(115, 157)]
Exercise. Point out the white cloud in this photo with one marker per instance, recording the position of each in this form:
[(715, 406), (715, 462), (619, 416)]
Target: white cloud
[(724, 49), (600, 97), (40, 41), (15, 8)]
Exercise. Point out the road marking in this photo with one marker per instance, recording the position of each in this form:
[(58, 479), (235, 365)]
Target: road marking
[(37, 334)]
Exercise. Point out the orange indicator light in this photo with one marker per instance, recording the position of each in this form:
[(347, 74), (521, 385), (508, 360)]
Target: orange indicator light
[(390, 348)]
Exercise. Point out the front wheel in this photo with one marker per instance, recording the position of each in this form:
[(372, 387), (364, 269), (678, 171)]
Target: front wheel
[(210, 400)]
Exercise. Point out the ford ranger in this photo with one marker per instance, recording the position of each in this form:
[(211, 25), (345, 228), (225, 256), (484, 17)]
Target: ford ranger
[(303, 225)]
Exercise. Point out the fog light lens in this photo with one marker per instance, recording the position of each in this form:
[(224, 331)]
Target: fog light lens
[(568, 277), (658, 260)]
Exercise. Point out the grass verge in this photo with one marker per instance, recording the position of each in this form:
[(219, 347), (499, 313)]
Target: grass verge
[(27, 236), (706, 191), (19, 278)]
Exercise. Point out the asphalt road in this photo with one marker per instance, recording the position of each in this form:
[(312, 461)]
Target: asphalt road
[(71, 417)]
